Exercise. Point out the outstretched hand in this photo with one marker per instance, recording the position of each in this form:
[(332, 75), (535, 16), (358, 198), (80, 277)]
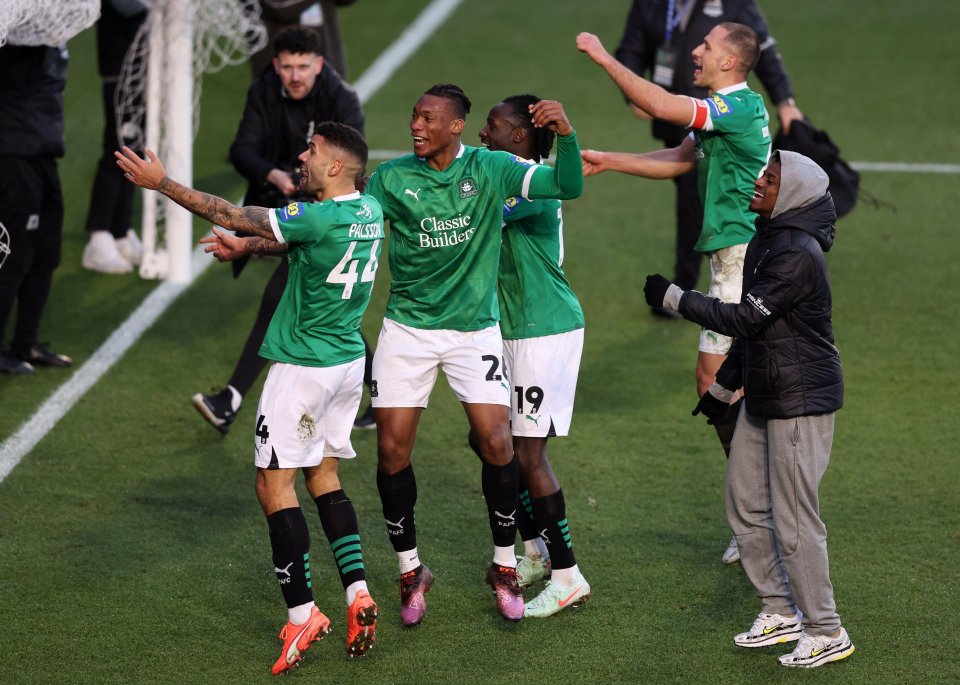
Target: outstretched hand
[(146, 173), (593, 162), (224, 246), (590, 44), (550, 114)]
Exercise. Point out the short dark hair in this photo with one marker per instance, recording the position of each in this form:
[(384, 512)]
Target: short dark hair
[(297, 40), (345, 138), (455, 94), (520, 111), (745, 44)]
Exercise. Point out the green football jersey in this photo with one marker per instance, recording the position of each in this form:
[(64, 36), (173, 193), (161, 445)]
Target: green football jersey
[(446, 229), (333, 250), (535, 297), (732, 137)]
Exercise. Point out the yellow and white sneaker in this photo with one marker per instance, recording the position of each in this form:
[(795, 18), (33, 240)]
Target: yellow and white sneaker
[(817, 650), (770, 629)]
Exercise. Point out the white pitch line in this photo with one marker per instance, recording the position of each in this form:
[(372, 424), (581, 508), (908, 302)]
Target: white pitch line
[(33, 430), (412, 38), (907, 168)]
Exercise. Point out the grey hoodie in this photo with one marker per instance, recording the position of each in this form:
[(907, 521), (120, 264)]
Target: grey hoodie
[(802, 182)]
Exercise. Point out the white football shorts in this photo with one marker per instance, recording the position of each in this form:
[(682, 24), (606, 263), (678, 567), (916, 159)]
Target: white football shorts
[(306, 413), (543, 373), (726, 281), (406, 361)]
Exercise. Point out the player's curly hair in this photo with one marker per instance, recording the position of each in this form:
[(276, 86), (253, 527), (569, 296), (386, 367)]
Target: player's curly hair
[(454, 94), (520, 116)]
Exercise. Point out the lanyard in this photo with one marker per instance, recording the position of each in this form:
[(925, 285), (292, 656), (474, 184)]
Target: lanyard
[(674, 15)]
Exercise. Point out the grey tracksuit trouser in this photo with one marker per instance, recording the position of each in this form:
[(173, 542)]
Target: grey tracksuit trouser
[(773, 508)]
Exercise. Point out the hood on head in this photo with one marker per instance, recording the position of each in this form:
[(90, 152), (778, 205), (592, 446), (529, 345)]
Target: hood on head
[(802, 182)]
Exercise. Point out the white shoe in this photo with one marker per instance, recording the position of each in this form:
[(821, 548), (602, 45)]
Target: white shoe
[(556, 597), (130, 247), (817, 650), (731, 555), (770, 629), (101, 254)]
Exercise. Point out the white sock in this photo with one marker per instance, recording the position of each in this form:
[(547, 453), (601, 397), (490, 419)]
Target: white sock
[(565, 577), (300, 614), (505, 556), (531, 549), (409, 560), (353, 589), (235, 398)]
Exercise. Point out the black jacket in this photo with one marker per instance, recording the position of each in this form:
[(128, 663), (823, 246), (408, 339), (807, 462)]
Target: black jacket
[(276, 129), (32, 80), (784, 354), (645, 32)]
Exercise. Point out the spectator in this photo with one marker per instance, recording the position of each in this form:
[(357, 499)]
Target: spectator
[(320, 16), (32, 81)]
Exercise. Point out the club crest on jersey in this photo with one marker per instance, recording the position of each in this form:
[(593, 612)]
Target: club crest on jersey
[(290, 211), (468, 188), (718, 105), (365, 212)]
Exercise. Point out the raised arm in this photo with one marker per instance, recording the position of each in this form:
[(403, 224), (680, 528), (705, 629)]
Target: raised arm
[(666, 163), (149, 173), (565, 180), (647, 96)]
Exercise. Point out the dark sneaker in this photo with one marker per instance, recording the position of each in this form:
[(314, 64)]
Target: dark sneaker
[(503, 582), (413, 586), (219, 409), (365, 420), (39, 355), (12, 365)]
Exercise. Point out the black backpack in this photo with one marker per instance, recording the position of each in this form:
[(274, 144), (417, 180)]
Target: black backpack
[(816, 144)]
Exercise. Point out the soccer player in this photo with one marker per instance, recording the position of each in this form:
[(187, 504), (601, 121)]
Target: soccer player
[(542, 326), (314, 386), (445, 205), (728, 146)]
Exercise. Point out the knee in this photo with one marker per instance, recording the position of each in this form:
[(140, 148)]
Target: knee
[(495, 446), (392, 454)]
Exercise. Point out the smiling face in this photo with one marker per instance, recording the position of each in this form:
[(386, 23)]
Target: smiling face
[(766, 189), (298, 72), (711, 58), (434, 126), (501, 133)]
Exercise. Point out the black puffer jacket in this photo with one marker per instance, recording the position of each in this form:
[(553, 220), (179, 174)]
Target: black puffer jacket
[(784, 354), (275, 129)]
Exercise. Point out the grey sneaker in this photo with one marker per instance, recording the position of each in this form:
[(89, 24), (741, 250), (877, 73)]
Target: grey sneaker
[(731, 554), (770, 629), (556, 598), (817, 650)]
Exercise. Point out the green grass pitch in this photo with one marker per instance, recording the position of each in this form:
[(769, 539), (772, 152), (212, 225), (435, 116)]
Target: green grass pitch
[(132, 548)]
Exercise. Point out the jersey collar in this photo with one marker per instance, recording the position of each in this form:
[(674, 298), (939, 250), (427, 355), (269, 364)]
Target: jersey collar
[(730, 89), (349, 196), (463, 148)]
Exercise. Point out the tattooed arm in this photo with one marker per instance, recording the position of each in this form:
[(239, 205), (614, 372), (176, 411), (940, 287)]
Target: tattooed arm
[(149, 173), (226, 247)]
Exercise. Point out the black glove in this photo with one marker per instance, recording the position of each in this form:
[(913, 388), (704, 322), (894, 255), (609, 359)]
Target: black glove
[(711, 407), (655, 289)]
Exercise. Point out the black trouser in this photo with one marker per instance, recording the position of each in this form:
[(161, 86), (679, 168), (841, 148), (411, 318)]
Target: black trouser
[(111, 199), (686, 268), (31, 209), (251, 363)]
